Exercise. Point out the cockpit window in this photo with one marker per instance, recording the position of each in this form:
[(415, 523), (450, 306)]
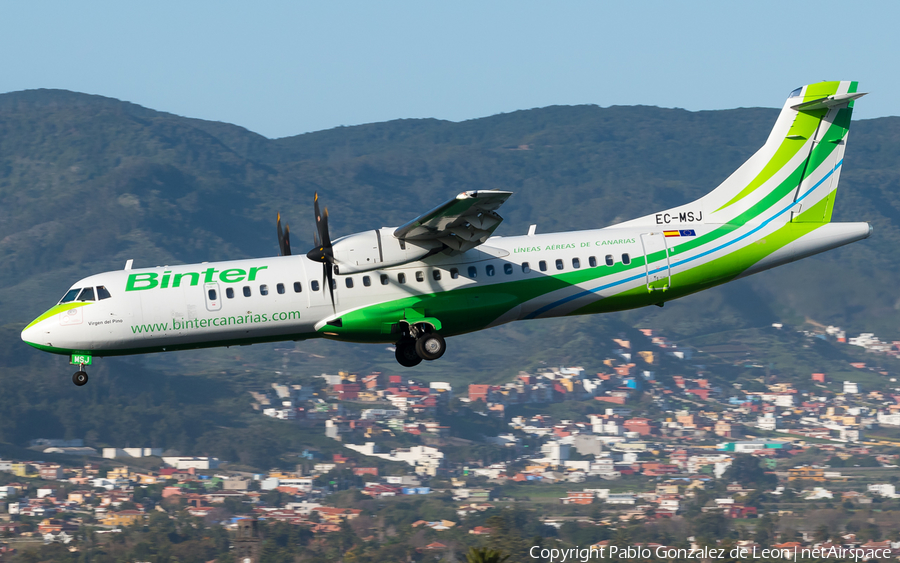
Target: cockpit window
[(70, 295), (87, 294), (796, 92), (102, 293)]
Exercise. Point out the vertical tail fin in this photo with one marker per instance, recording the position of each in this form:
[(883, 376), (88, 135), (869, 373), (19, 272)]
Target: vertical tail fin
[(801, 159), (799, 163)]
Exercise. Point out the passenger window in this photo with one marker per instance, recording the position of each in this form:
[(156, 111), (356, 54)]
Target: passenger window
[(489, 269), (348, 282), (70, 295), (626, 259), (263, 289), (298, 287), (401, 278), (229, 292), (436, 275), (525, 268), (280, 289), (592, 261), (507, 269), (87, 294), (367, 281), (333, 284), (559, 264), (576, 263), (314, 285), (246, 291), (420, 277), (102, 293), (609, 260), (542, 265), (384, 279), (212, 294), (473, 272), (454, 273)]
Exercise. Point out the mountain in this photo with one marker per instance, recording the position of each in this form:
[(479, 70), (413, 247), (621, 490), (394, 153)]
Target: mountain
[(87, 182)]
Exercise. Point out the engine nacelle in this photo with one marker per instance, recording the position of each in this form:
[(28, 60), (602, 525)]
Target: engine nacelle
[(371, 250)]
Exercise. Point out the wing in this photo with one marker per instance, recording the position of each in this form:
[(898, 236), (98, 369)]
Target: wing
[(461, 224)]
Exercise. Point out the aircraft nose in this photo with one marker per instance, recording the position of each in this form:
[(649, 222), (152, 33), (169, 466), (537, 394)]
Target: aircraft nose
[(34, 334)]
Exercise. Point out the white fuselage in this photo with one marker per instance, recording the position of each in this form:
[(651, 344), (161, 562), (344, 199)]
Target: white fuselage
[(284, 298)]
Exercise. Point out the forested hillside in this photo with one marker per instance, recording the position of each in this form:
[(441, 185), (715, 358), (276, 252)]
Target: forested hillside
[(88, 182)]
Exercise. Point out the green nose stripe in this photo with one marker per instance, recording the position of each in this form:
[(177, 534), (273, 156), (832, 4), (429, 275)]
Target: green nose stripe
[(56, 310)]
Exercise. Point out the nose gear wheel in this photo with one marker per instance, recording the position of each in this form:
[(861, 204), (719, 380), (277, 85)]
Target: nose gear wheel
[(80, 378)]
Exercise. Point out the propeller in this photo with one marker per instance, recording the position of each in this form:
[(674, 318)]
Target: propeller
[(323, 251), (284, 237)]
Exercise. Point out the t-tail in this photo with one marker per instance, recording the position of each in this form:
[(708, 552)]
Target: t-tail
[(787, 189)]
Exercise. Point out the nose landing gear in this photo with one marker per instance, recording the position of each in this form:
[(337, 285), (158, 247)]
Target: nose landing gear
[(419, 343), (80, 377)]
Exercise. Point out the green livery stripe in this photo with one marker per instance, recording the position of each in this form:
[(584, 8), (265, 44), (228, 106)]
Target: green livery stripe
[(174, 347), (804, 127), (704, 276), (57, 309), (818, 213), (821, 90)]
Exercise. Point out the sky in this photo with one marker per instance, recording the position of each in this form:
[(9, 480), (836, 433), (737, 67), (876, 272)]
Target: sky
[(291, 67)]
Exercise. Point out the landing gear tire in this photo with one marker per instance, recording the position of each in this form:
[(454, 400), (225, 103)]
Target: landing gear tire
[(406, 354), (430, 346), (80, 378)]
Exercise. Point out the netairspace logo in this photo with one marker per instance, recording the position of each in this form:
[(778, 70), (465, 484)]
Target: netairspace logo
[(637, 553)]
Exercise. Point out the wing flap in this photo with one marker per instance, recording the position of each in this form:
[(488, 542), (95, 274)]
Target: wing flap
[(461, 223)]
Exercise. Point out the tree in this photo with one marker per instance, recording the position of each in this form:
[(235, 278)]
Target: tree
[(485, 555), (710, 526), (745, 469), (822, 533), (765, 530)]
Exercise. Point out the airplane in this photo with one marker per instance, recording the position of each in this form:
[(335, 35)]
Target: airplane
[(444, 274)]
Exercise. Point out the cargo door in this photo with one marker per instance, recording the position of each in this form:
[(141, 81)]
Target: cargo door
[(656, 261)]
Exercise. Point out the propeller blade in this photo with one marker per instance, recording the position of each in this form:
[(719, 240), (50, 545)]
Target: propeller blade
[(329, 279), (280, 235), (326, 238), (322, 251), (286, 251), (318, 221)]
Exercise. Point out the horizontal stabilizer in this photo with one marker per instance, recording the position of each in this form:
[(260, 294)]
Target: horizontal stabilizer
[(828, 102)]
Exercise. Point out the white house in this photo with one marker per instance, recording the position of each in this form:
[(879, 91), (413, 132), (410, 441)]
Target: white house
[(192, 462)]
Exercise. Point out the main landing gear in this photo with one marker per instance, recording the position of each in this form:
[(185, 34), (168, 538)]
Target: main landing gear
[(80, 377), (419, 343)]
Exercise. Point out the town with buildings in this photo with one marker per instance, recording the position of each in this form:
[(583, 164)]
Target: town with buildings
[(644, 443)]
